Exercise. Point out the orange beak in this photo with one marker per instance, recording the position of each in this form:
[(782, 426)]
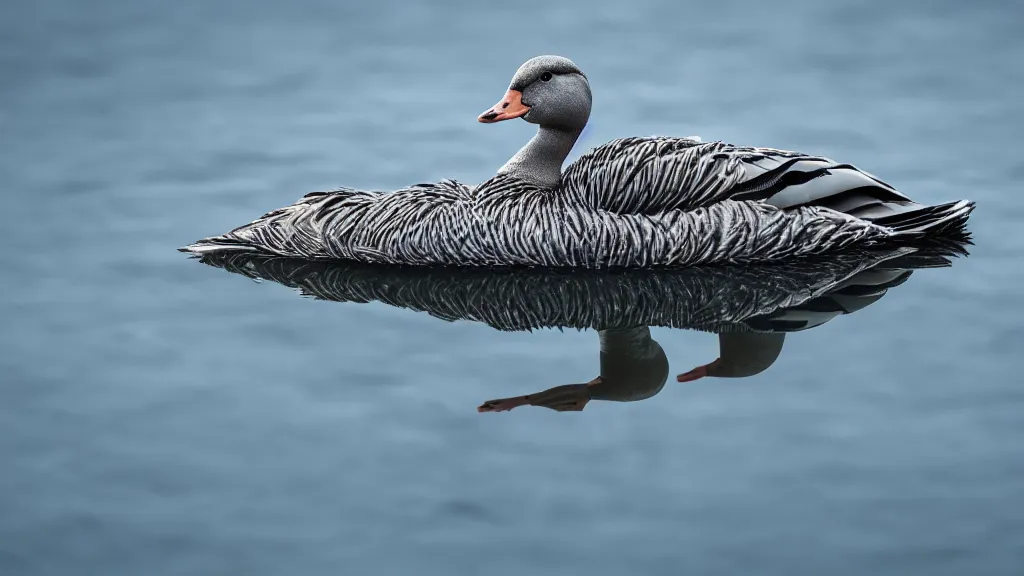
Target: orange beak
[(511, 106)]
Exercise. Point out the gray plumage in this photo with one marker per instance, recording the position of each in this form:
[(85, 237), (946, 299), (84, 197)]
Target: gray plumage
[(633, 202)]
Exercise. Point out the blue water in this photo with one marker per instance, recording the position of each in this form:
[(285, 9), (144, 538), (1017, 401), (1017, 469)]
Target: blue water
[(158, 416)]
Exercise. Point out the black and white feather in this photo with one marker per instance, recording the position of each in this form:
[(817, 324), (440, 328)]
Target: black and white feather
[(782, 297), (633, 202)]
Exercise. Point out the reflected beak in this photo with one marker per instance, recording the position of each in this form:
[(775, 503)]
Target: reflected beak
[(698, 372), (511, 106)]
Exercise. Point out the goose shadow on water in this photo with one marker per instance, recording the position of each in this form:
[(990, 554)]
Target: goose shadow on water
[(750, 307)]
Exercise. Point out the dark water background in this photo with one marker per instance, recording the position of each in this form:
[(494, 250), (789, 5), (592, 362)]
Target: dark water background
[(162, 417)]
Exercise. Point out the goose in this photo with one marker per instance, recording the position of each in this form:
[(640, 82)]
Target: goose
[(634, 202)]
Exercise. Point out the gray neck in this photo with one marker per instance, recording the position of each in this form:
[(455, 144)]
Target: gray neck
[(540, 161)]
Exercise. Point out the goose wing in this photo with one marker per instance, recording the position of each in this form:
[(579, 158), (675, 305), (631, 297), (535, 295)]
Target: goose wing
[(650, 175)]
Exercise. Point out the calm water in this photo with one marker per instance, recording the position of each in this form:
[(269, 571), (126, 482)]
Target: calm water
[(158, 416)]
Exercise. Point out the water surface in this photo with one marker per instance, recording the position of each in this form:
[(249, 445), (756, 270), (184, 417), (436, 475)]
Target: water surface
[(158, 416)]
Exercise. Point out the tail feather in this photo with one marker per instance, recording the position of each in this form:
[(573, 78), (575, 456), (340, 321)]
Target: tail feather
[(287, 231), (943, 220), (219, 245)]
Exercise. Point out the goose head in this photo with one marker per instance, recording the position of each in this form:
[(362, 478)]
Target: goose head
[(550, 91), (740, 355)]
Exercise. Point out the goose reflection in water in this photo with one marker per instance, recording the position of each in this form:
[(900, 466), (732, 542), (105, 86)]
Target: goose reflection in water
[(634, 367), (750, 308)]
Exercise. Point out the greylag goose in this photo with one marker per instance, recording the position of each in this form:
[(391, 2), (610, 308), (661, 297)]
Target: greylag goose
[(633, 202)]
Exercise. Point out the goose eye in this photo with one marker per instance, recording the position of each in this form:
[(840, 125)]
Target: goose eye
[(545, 76)]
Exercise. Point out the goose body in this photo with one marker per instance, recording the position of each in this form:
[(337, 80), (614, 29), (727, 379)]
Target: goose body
[(633, 202)]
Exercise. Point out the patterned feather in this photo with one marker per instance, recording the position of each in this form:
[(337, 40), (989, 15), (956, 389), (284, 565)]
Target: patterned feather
[(633, 202), (714, 299)]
